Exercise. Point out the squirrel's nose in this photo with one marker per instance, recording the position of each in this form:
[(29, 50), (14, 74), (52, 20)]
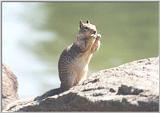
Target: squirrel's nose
[(94, 32)]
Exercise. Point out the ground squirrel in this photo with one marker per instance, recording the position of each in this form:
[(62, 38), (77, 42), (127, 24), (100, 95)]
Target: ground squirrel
[(74, 60)]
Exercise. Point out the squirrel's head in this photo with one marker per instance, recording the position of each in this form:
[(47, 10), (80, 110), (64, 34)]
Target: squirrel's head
[(87, 38)]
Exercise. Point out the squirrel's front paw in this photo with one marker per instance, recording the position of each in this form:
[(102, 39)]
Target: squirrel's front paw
[(94, 35), (98, 36), (96, 44)]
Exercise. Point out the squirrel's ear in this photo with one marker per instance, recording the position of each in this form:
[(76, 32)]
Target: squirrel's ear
[(80, 23), (88, 21)]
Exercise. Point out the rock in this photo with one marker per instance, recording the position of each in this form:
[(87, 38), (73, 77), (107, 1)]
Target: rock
[(9, 86), (133, 86)]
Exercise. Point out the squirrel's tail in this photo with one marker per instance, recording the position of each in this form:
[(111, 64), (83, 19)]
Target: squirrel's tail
[(51, 92)]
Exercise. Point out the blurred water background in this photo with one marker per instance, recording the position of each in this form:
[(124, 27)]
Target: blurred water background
[(35, 33)]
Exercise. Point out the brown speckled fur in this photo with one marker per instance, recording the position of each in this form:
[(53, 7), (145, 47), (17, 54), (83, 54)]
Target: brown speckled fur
[(74, 60)]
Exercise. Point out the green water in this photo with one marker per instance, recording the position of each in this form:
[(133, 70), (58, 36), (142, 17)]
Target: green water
[(129, 30)]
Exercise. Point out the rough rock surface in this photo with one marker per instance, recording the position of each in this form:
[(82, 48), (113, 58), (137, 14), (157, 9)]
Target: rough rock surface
[(9, 87), (133, 86)]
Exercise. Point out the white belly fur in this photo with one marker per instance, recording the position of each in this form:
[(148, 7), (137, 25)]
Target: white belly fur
[(80, 68)]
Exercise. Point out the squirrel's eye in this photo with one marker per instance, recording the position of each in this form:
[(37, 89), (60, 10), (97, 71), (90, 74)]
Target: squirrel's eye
[(86, 28)]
